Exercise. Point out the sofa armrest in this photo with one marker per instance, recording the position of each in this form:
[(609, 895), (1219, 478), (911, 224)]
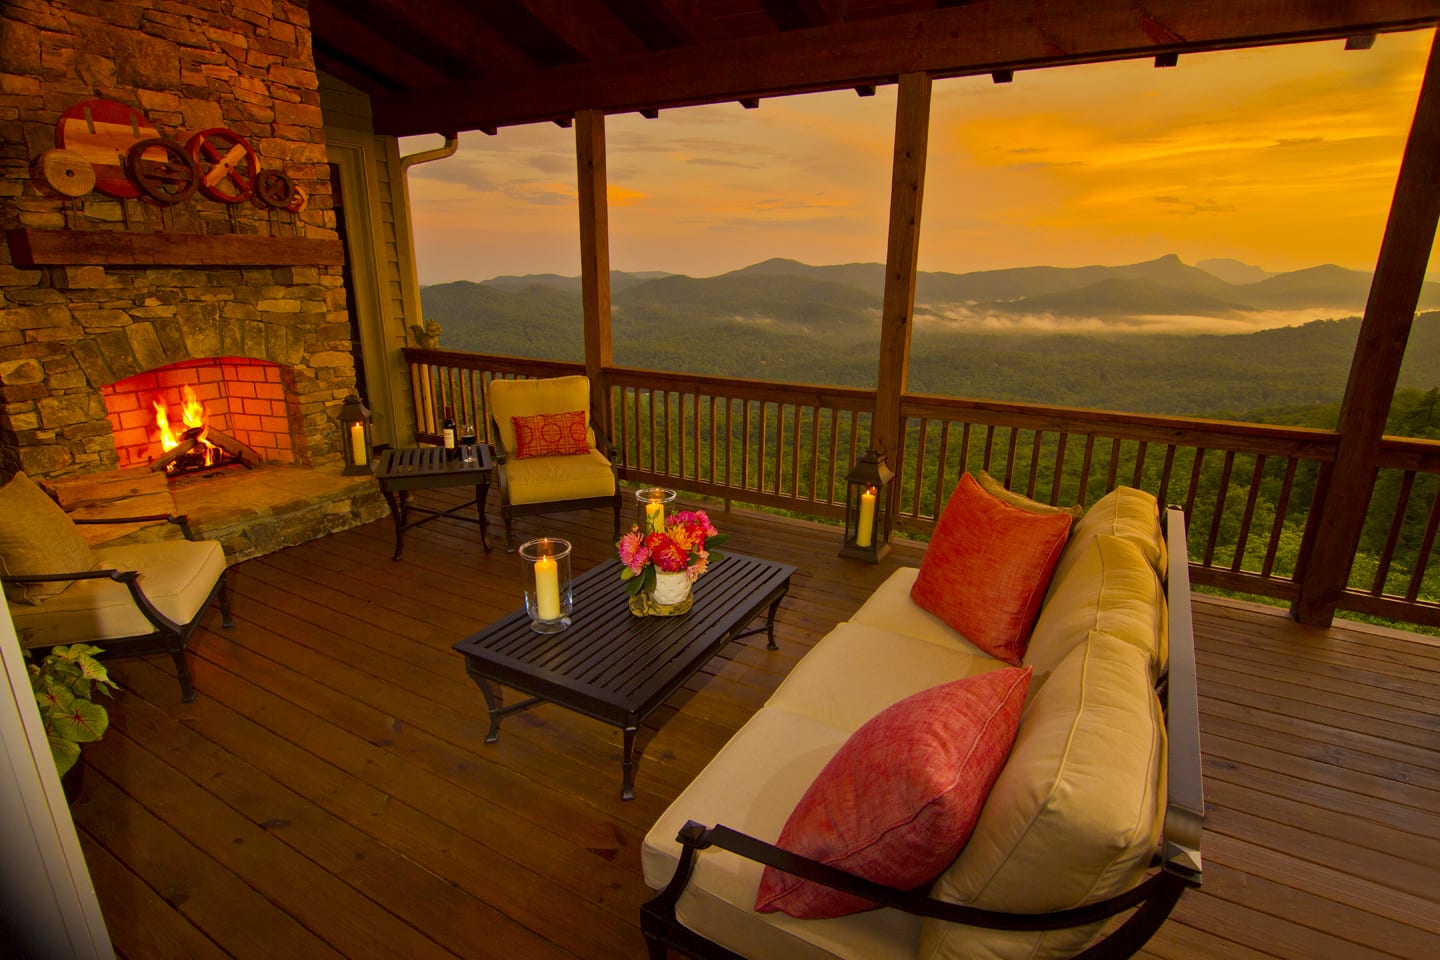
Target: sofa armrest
[(130, 578), (1185, 791)]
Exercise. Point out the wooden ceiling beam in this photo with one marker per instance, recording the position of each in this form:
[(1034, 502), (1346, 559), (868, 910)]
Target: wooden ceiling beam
[(368, 53), (457, 26), (982, 38), (593, 30)]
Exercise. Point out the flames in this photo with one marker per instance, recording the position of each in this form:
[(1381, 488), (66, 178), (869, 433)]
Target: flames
[(194, 417)]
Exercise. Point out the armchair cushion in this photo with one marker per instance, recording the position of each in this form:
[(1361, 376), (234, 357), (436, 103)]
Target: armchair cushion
[(37, 538), (177, 575), (549, 479), (551, 435), (526, 398)]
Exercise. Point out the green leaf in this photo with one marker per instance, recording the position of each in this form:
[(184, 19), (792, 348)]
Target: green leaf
[(65, 752), (81, 721)]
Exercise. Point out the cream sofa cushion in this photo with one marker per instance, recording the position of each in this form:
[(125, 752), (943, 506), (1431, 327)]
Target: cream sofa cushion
[(858, 670), (177, 576), (891, 610), (751, 786), (997, 489), (1108, 586), (548, 479), (525, 398), (1075, 814), (1124, 512), (37, 538)]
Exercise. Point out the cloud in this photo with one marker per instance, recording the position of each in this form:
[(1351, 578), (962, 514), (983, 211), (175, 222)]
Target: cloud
[(1184, 205)]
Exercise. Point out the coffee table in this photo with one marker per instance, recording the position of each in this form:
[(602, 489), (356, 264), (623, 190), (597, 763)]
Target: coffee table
[(403, 469), (612, 665)]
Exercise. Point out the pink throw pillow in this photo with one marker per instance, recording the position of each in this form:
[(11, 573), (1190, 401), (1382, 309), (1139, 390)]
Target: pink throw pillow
[(550, 435), (987, 568), (899, 799)]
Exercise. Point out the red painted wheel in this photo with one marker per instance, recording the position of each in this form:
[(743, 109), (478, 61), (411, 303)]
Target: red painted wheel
[(162, 171), (275, 189), (228, 165), (101, 132)]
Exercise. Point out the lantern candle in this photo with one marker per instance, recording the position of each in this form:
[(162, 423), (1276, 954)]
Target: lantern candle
[(654, 517), (357, 444), (547, 589), (865, 529)]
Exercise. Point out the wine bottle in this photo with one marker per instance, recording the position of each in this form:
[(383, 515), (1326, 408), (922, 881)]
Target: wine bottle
[(447, 431)]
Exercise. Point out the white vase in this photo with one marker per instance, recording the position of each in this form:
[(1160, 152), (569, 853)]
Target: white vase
[(671, 588)]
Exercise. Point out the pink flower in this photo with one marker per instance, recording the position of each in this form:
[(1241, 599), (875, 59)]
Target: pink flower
[(633, 551)]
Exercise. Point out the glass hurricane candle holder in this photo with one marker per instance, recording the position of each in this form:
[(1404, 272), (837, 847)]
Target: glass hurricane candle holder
[(548, 596), (652, 505)]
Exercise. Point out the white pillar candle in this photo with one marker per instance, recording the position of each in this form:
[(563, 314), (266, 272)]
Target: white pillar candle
[(547, 589), (864, 531), (654, 517), (357, 443)]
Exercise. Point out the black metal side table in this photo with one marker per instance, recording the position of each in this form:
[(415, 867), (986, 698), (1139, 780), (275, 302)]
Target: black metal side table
[(403, 469)]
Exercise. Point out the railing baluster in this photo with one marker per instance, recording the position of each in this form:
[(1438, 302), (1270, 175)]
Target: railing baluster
[(1034, 463), (1059, 468), (942, 465), (1164, 494), (1427, 543), (1397, 523), (1219, 515), (1195, 468), (1256, 476), (989, 445), (919, 483), (1282, 506), (1085, 469), (1010, 456), (1114, 464)]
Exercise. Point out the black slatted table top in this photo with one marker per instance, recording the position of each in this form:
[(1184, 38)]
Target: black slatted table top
[(410, 468), (612, 665)]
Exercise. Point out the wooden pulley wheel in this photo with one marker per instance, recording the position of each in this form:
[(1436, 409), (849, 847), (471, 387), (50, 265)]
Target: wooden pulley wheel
[(227, 164), (275, 189), (102, 131), (162, 171), (299, 201), (63, 172)]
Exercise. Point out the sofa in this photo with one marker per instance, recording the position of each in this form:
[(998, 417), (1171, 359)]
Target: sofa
[(1089, 830)]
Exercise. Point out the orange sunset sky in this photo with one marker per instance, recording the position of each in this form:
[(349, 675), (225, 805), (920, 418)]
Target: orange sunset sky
[(1283, 157)]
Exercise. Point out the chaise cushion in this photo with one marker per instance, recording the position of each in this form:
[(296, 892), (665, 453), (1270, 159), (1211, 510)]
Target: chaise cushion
[(1127, 513), (1074, 815), (901, 796), (176, 575), (551, 435), (987, 567), (37, 538)]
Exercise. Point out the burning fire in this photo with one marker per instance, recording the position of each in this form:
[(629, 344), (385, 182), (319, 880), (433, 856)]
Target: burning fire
[(194, 416)]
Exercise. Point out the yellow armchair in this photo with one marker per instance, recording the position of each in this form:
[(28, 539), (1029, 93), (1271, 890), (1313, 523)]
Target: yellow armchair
[(550, 455)]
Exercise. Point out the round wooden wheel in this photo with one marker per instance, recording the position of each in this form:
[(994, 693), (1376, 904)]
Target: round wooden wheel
[(161, 170), (63, 173), (275, 189), (227, 164)]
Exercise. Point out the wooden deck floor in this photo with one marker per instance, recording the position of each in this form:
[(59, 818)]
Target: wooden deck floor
[(330, 794)]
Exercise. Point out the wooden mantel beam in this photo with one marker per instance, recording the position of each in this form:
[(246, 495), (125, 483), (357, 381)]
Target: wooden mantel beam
[(978, 38)]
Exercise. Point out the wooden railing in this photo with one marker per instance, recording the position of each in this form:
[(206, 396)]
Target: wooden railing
[(1247, 489)]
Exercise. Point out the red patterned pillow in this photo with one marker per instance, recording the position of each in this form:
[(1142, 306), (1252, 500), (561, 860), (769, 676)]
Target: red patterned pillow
[(987, 568), (899, 799), (550, 435)]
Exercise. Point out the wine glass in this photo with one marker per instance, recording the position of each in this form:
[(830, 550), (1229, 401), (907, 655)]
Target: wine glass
[(467, 443)]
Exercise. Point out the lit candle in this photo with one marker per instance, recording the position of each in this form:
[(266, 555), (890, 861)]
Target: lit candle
[(357, 443), (865, 529), (654, 517), (547, 589)]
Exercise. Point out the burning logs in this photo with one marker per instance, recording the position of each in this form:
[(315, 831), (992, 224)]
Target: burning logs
[(200, 447)]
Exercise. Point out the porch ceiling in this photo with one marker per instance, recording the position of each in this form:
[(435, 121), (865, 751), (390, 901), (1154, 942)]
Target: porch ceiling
[(434, 66)]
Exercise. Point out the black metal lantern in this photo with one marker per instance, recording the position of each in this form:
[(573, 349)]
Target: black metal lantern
[(355, 435), (867, 509)]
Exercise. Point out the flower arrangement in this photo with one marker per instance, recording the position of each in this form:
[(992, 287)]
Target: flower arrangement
[(686, 545)]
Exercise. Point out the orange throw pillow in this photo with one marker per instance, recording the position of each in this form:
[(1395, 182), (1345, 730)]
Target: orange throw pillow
[(899, 799), (550, 435), (987, 568)]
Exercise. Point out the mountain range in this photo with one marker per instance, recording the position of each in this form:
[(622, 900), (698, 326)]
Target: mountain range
[(1160, 337)]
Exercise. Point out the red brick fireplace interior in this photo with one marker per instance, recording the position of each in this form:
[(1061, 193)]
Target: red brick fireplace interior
[(251, 400)]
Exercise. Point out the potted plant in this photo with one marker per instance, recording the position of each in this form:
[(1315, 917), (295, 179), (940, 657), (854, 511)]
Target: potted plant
[(64, 681)]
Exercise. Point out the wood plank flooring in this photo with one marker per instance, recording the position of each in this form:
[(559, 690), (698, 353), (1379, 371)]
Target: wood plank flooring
[(330, 794)]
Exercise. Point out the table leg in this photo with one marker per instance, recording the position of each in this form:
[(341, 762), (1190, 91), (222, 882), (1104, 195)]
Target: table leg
[(770, 624), (482, 490), (396, 513), (494, 702), (627, 765)]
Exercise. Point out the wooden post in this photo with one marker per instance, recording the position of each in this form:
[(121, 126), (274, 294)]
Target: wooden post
[(907, 186), (594, 257), (1338, 515)]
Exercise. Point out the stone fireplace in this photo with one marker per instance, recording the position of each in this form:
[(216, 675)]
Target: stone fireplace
[(236, 290)]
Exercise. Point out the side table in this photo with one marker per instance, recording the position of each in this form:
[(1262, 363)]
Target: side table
[(403, 469)]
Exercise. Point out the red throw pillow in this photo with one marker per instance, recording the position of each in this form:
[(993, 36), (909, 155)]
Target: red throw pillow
[(987, 568), (550, 435), (899, 799)]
